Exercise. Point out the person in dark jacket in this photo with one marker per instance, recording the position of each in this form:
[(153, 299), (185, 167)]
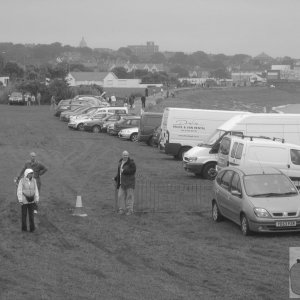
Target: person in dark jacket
[(125, 183)]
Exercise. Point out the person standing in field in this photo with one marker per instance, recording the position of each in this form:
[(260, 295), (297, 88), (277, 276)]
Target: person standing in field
[(52, 103), (143, 99), (33, 99), (38, 98), (125, 184), (113, 100), (28, 195), (38, 168)]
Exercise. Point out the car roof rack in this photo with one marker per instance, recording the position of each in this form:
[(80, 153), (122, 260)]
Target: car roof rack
[(251, 137)]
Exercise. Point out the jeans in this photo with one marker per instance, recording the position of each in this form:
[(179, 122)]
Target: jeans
[(29, 208), (126, 199)]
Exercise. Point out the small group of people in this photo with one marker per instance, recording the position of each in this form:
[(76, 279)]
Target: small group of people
[(29, 188), (31, 99)]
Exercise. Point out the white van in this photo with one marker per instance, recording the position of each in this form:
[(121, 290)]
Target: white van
[(200, 159), (184, 128), (261, 152)]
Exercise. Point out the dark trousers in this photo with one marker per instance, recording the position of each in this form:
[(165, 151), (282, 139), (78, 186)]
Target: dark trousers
[(29, 208)]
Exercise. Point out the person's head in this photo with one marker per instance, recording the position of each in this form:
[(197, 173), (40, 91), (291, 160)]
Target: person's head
[(125, 155), (32, 156), (28, 174)]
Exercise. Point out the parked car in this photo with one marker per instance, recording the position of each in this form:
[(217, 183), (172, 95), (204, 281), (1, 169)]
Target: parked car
[(129, 134), (65, 115), (79, 100), (16, 98), (97, 125), (89, 112), (125, 122), (261, 199), (77, 124)]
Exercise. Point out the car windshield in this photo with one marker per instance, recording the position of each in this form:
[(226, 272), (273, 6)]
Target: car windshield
[(269, 185), (213, 138)]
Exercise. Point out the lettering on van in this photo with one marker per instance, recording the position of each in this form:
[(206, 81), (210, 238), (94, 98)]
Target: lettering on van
[(188, 125)]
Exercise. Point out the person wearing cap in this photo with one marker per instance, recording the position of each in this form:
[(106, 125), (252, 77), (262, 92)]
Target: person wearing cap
[(28, 194), (125, 184), (38, 170)]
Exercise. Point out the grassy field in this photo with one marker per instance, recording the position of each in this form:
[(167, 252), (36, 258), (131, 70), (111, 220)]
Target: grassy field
[(175, 255)]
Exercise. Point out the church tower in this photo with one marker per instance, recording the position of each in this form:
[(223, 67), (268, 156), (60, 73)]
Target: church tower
[(82, 43)]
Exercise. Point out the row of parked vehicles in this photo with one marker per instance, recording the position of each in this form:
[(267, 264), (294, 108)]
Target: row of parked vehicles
[(98, 116), (253, 158)]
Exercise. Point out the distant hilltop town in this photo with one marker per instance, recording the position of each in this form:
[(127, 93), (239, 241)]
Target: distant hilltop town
[(138, 61)]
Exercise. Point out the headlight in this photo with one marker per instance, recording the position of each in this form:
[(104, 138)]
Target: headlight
[(261, 212), (64, 107), (191, 158)]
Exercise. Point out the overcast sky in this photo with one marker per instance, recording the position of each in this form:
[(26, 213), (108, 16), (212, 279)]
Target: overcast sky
[(213, 26)]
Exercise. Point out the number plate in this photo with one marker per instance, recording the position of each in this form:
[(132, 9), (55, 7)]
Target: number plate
[(285, 223)]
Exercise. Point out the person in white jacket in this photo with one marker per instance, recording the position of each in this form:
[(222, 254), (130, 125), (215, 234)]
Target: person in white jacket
[(28, 194)]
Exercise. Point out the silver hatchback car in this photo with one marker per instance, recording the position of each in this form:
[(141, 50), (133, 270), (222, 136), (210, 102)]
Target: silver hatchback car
[(258, 199)]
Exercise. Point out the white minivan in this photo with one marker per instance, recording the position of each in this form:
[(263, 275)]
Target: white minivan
[(202, 158), (260, 152)]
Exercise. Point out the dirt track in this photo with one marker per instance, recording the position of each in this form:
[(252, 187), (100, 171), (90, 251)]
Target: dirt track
[(106, 256)]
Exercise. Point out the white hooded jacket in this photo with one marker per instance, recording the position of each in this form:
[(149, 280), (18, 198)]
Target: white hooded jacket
[(27, 187)]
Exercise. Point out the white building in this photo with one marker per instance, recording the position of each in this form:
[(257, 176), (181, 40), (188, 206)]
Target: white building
[(4, 80), (104, 79)]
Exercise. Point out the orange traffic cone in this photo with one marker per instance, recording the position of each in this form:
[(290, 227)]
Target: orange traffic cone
[(78, 211)]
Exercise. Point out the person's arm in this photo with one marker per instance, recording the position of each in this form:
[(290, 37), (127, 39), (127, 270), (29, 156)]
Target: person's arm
[(42, 169), (36, 193), (20, 191)]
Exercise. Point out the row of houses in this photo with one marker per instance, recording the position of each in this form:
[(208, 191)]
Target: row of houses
[(104, 79)]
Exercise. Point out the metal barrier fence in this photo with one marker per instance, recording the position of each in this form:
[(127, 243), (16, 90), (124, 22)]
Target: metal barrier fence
[(166, 196)]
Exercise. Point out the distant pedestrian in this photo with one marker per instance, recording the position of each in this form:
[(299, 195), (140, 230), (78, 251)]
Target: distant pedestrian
[(146, 92), (38, 168), (52, 103), (29, 100), (143, 99), (125, 184), (113, 100), (33, 99), (28, 195), (131, 101), (38, 98)]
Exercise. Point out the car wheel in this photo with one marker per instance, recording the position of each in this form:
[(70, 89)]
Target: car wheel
[(215, 212), (134, 137), (80, 127), (96, 129), (245, 225), (208, 171)]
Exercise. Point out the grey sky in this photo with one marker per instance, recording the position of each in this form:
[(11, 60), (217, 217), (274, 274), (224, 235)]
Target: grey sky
[(212, 26)]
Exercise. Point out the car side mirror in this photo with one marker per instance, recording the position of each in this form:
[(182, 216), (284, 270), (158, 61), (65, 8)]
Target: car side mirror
[(236, 193)]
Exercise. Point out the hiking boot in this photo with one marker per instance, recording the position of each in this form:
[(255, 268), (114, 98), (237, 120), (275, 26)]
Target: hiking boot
[(129, 213), (121, 212)]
